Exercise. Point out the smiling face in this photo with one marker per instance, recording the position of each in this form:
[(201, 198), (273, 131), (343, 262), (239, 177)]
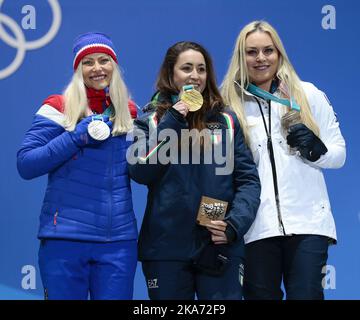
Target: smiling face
[(97, 70), (262, 59), (190, 68)]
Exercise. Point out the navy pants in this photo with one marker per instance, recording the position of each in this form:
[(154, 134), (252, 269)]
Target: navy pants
[(73, 270), (297, 260), (179, 280)]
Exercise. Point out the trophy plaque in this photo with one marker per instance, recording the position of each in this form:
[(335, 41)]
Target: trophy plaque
[(210, 209)]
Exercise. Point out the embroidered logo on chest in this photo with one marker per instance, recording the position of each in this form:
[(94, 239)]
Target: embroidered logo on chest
[(213, 125)]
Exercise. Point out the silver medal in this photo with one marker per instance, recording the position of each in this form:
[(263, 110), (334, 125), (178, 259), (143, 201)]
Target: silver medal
[(98, 130)]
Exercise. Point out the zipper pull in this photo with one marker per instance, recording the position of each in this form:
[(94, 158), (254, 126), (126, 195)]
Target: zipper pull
[(269, 145), (281, 229), (55, 216)]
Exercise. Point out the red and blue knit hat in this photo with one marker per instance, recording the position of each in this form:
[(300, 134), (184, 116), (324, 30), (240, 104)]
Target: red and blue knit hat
[(92, 42)]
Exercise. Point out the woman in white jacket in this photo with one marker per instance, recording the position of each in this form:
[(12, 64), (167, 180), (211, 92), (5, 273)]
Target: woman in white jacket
[(294, 225)]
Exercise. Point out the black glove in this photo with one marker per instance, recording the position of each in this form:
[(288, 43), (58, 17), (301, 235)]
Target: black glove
[(230, 234), (212, 259), (303, 139)]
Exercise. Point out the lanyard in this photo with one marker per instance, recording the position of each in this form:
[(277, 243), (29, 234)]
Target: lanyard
[(268, 96), (108, 111), (273, 166)]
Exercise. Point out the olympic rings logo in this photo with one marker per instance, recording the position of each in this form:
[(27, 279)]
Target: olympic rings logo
[(19, 42)]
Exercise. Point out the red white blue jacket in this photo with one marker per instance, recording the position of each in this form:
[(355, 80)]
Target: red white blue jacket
[(88, 195)]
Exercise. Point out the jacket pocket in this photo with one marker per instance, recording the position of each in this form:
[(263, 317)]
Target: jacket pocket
[(257, 136)]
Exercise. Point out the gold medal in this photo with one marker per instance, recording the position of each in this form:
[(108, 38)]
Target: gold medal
[(192, 98)]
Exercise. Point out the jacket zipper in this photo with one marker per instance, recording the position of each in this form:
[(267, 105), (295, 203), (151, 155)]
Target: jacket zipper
[(55, 217), (111, 197), (273, 166)]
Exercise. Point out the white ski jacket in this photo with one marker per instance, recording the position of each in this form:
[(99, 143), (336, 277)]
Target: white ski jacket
[(302, 194)]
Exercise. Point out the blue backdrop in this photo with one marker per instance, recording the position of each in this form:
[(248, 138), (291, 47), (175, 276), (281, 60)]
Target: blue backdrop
[(36, 61)]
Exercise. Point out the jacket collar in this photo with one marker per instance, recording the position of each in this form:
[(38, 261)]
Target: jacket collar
[(98, 100)]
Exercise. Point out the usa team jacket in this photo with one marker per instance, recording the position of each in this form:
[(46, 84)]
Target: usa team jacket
[(88, 195), (169, 230), (303, 199)]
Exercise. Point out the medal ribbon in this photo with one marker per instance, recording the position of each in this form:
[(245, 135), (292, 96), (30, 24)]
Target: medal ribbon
[(268, 96), (107, 111)]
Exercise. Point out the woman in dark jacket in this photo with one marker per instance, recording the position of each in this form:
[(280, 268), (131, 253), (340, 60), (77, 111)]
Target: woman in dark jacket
[(205, 172)]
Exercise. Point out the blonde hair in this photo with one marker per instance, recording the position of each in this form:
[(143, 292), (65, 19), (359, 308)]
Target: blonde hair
[(238, 72), (76, 102)]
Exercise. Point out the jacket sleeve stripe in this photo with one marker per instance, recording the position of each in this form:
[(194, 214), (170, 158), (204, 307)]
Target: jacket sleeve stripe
[(153, 124), (51, 113), (230, 124), (153, 120), (152, 151)]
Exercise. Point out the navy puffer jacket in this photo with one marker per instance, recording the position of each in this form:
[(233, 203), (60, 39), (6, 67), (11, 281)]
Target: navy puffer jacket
[(169, 230)]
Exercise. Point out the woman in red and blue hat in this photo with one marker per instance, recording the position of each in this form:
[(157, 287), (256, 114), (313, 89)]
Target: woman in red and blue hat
[(88, 229)]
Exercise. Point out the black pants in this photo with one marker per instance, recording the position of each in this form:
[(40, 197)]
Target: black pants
[(179, 280), (298, 260)]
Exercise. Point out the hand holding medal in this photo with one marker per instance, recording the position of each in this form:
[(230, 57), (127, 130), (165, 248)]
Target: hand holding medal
[(98, 128), (91, 130), (192, 98)]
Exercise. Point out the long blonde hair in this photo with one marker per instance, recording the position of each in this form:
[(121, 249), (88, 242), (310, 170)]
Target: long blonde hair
[(76, 102), (238, 72)]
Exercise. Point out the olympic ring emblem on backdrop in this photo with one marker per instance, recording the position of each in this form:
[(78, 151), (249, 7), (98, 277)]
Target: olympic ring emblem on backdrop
[(19, 42)]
